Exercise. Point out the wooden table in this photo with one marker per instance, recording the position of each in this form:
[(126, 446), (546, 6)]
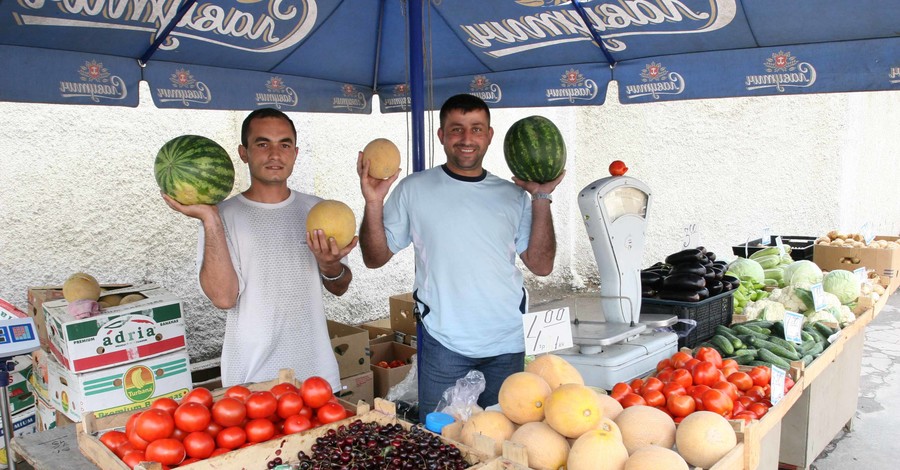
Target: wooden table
[(51, 450)]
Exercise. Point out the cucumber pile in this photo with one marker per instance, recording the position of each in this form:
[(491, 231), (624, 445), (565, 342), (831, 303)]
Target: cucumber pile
[(762, 343)]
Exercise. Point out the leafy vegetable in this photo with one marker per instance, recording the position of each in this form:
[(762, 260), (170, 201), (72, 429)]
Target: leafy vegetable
[(803, 273), (747, 268), (843, 284)]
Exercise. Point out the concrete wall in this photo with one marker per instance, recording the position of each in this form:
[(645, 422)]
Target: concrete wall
[(79, 193)]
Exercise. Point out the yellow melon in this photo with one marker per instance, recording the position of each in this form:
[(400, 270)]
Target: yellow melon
[(655, 458), (383, 157), (704, 437), (81, 286), (110, 300), (335, 218), (522, 397), (572, 409), (597, 449), (131, 298), (546, 448), (493, 424), (643, 426), (555, 370), (611, 406)]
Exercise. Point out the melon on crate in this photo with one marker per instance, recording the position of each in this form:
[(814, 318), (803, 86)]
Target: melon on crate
[(81, 286), (554, 370), (193, 169), (704, 437), (335, 218), (534, 149), (598, 449), (655, 458), (546, 448), (493, 424), (643, 426), (522, 396)]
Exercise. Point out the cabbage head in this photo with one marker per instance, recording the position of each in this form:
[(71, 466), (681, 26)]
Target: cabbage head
[(803, 273), (843, 284), (747, 268)]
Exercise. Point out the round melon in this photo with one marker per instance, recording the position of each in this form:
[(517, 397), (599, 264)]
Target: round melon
[(493, 424), (597, 450), (555, 371), (655, 458), (131, 298), (611, 406), (110, 300), (335, 218), (572, 410), (193, 169), (534, 149), (522, 397), (81, 286), (704, 437), (546, 448), (383, 157), (643, 426)]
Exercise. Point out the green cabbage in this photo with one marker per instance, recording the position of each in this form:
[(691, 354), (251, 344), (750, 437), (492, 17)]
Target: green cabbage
[(747, 268), (843, 284), (803, 273)]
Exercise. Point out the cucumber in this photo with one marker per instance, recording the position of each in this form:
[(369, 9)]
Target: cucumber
[(759, 323), (760, 329), (806, 346), (774, 349), (743, 330), (744, 359), (805, 336), (723, 344), (777, 329), (823, 329), (785, 344), (807, 359), (817, 348), (813, 332), (730, 336), (745, 352), (758, 363), (774, 359)]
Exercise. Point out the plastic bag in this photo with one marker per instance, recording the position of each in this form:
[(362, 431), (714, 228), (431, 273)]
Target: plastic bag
[(461, 400), (406, 390)]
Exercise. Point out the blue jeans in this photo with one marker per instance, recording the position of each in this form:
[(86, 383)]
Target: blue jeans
[(439, 368)]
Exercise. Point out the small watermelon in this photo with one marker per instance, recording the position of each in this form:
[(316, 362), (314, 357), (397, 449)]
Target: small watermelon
[(534, 149), (193, 169)]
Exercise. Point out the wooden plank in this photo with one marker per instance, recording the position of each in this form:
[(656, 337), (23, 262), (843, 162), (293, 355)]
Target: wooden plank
[(53, 449), (733, 460), (755, 433)]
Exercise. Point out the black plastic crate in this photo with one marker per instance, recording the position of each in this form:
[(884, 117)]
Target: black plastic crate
[(801, 246), (709, 312)]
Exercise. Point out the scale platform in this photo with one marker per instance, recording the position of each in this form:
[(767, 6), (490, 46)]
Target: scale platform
[(622, 362)]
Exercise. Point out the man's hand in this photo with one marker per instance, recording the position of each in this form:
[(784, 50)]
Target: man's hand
[(202, 212), (535, 187), (373, 189), (326, 251)]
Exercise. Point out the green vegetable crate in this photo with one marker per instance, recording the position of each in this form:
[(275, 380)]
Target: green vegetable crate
[(709, 312), (801, 246)]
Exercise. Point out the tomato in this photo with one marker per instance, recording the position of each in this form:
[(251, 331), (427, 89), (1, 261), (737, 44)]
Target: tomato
[(744, 415), (296, 423), (219, 451), (619, 390), (726, 371), (192, 416), (290, 403), (680, 358), (705, 373), (113, 439), (697, 390), (259, 430), (759, 409), (788, 383), (681, 405), (636, 385), (755, 392), (199, 445), (231, 437), (315, 391), (665, 375), (683, 377), (165, 403), (154, 424), (133, 458), (238, 392), (306, 412), (283, 388), (689, 365), (632, 399), (710, 355), (717, 401), (745, 400), (261, 405), (165, 451), (727, 388), (741, 380), (397, 363), (229, 412), (654, 398), (178, 434), (673, 388), (730, 364), (617, 168), (124, 448), (213, 429), (199, 395), (663, 364), (652, 384), (330, 412), (738, 407), (761, 375)]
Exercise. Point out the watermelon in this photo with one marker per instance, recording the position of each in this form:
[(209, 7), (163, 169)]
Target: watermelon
[(193, 169), (534, 149)]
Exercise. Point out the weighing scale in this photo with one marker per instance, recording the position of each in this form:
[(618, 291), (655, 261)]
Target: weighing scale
[(17, 336), (613, 341)]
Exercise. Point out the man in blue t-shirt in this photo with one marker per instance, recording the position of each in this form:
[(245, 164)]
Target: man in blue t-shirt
[(466, 226)]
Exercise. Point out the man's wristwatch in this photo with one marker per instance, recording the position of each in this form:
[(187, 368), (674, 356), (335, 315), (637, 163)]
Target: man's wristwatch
[(547, 196)]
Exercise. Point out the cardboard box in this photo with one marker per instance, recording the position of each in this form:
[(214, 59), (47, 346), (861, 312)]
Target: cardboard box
[(45, 415), (119, 389), (24, 423), (119, 335), (885, 263), (379, 331), (403, 317), (20, 396), (9, 311), (38, 380), (38, 295), (358, 387), (385, 378), (351, 348)]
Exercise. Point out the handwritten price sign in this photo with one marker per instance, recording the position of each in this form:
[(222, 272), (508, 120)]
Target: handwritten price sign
[(690, 236), (793, 324), (776, 385), (547, 331)]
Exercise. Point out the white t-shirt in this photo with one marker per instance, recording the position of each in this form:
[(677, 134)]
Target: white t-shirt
[(279, 321)]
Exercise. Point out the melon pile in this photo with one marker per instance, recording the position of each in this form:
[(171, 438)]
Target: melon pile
[(562, 423)]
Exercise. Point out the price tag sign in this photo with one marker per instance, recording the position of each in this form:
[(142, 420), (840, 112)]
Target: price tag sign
[(780, 245), (861, 274), (547, 331), (867, 232), (691, 236), (818, 295), (766, 236), (776, 385), (793, 323)]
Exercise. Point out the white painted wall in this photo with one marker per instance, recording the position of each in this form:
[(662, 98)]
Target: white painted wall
[(79, 193)]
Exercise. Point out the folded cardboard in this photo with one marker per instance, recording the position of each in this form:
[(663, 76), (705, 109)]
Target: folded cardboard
[(358, 387), (118, 335), (885, 262), (24, 423), (387, 377), (403, 317), (351, 348), (118, 389), (9, 311), (40, 294)]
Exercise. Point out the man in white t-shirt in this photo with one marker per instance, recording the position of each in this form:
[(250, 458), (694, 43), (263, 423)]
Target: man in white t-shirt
[(257, 262)]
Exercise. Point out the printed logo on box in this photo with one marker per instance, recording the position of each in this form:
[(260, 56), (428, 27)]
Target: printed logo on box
[(139, 383)]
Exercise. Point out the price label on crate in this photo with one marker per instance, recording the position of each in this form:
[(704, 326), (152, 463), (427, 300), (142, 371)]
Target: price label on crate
[(766, 236), (776, 385), (780, 244), (818, 296), (861, 275), (793, 324), (547, 331), (867, 232), (690, 236)]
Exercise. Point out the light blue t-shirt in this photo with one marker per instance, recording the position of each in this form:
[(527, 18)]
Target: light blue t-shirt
[(467, 233)]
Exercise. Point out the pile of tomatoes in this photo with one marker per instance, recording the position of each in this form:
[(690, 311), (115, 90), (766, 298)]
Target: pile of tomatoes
[(390, 365), (705, 382), (199, 427)]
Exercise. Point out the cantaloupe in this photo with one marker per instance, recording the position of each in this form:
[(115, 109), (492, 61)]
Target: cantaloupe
[(704, 437), (81, 286), (597, 450), (110, 300), (611, 406), (131, 298), (572, 409), (555, 370), (643, 426), (335, 218), (383, 157), (655, 458), (522, 396), (546, 448), (493, 424)]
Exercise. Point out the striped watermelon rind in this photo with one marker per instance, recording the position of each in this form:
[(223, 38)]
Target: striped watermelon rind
[(534, 149), (193, 169)]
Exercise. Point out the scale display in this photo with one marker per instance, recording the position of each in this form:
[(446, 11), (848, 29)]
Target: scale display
[(18, 336)]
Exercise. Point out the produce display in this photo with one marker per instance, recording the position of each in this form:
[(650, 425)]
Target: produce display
[(193, 169), (762, 343), (534, 149), (335, 218), (383, 157), (855, 240), (689, 275)]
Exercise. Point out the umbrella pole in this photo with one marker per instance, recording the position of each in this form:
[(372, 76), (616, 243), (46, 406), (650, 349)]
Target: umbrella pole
[(417, 83)]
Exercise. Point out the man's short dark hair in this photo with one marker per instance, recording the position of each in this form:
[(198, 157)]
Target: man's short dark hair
[(463, 102), (260, 114)]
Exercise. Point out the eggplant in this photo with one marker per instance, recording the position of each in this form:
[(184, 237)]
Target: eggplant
[(710, 275), (720, 263), (719, 270), (651, 279), (684, 281), (735, 282), (692, 267), (648, 294), (702, 249), (679, 295), (715, 287), (691, 254), (711, 256), (660, 264), (703, 293)]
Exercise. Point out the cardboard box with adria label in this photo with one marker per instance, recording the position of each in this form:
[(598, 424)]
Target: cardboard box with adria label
[(885, 262), (40, 294), (118, 335)]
